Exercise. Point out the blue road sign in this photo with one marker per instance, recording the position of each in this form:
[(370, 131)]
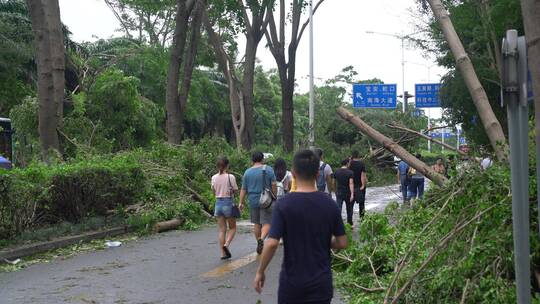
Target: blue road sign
[(446, 135), (462, 141), (435, 134), (449, 134), (427, 95), (374, 96)]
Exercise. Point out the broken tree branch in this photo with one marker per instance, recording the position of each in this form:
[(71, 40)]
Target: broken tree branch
[(422, 135), (435, 251), (393, 147)]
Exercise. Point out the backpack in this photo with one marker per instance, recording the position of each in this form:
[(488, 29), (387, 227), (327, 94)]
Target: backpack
[(410, 172), (267, 196), (321, 179), (281, 186)]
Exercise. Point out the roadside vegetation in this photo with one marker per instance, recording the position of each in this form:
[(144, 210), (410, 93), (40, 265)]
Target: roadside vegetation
[(453, 246)]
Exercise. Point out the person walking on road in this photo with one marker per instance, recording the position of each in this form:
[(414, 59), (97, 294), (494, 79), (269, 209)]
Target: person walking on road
[(324, 179), (256, 180), (310, 225), (344, 189), (224, 186), (416, 186), (360, 181), (283, 177), (439, 166), (403, 180)]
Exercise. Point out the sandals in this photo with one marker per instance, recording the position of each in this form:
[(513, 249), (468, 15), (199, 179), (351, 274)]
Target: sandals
[(260, 246), (227, 253)]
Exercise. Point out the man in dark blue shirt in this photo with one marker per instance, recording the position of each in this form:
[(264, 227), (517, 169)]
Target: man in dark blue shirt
[(310, 224), (402, 179)]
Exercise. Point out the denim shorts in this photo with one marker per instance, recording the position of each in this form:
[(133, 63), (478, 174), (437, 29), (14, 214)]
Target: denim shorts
[(223, 207)]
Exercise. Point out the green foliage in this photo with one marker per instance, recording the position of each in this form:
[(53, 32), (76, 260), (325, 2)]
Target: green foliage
[(43, 194), (480, 253), (16, 65), (126, 119)]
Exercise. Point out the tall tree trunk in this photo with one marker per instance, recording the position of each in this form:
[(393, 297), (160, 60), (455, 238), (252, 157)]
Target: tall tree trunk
[(492, 126), (248, 135), (287, 70), (236, 97), (191, 56), (57, 59), (45, 16), (287, 118), (172, 104), (241, 93)]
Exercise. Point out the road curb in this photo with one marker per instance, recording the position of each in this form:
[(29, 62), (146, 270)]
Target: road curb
[(35, 248)]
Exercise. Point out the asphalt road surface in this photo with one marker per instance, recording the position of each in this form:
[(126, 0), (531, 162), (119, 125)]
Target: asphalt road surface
[(173, 267)]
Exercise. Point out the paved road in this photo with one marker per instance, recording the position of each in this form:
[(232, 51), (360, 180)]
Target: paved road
[(174, 267)]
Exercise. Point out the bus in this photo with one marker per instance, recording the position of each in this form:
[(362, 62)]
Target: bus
[(6, 139)]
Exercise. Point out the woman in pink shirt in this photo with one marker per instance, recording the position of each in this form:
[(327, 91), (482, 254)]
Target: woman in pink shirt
[(224, 186)]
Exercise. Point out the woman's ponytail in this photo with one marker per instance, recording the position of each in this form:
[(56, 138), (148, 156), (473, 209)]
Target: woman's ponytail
[(222, 164)]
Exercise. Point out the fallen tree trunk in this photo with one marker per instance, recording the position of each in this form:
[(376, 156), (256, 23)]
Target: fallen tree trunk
[(419, 134), (168, 225), (393, 147)]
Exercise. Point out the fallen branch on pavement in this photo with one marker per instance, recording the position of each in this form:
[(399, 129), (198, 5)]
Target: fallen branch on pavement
[(168, 225)]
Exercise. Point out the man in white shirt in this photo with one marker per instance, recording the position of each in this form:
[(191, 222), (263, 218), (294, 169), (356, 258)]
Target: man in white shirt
[(324, 181)]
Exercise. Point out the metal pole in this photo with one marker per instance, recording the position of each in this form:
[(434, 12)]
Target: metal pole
[(403, 72), (429, 113), (311, 77), (429, 129), (517, 129), (457, 138), (442, 139)]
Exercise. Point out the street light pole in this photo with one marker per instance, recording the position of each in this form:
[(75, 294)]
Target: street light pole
[(311, 77), (403, 72), (402, 37)]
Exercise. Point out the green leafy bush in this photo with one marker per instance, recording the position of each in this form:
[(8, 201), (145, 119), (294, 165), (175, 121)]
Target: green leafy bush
[(43, 194), (456, 242), (94, 187)]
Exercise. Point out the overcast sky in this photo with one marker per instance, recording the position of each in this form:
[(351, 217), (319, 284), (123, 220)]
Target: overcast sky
[(340, 40)]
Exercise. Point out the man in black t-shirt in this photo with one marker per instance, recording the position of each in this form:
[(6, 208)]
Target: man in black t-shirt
[(310, 225), (345, 189), (360, 181)]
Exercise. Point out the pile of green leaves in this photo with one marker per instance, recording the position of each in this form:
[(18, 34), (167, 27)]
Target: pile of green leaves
[(454, 244)]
